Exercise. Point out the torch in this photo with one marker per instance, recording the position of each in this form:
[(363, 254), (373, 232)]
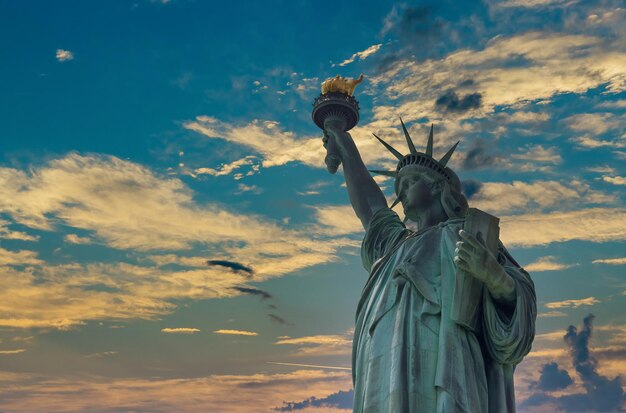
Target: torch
[(336, 103)]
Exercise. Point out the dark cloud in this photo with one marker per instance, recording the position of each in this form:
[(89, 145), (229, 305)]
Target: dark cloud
[(235, 266), (410, 24), (452, 102), (340, 400), (479, 156), (470, 187), (253, 291), (601, 393), (553, 378), (278, 319)]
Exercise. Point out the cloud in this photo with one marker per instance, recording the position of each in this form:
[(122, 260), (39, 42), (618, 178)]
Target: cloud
[(236, 332), (471, 187), (261, 391), (611, 261), (101, 354), (615, 180), (14, 258), (592, 224), (362, 55), (548, 263), (538, 153), (596, 123), (228, 168), (587, 142), (534, 3), (156, 222), (340, 400), (266, 138), (549, 64), (21, 350), (450, 101), (253, 291), (234, 266), (75, 239), (64, 55), (521, 116), (556, 390), (553, 378), (518, 196), (278, 319), (411, 26), (573, 303), (320, 345), (602, 394), (7, 233), (480, 156), (552, 314), (241, 188), (337, 220), (180, 330)]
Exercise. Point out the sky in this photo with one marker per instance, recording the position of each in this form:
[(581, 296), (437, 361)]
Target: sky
[(170, 238)]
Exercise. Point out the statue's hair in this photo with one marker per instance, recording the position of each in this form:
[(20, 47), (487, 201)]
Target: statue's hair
[(452, 199)]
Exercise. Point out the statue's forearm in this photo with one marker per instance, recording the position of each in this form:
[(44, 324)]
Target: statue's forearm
[(365, 194), (502, 286)]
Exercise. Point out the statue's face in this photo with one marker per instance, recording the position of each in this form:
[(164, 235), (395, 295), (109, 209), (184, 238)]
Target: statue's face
[(416, 194)]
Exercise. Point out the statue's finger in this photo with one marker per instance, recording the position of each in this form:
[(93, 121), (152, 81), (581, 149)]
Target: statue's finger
[(460, 263), (466, 236), (463, 254)]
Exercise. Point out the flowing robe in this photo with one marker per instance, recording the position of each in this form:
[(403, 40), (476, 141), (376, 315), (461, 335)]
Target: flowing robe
[(408, 355)]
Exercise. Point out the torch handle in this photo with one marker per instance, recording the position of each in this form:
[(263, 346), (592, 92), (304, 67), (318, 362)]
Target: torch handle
[(332, 159)]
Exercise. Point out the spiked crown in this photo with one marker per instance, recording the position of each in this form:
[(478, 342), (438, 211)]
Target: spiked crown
[(421, 159)]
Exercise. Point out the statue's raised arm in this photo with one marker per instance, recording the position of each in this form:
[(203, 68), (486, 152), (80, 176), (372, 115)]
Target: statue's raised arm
[(335, 112)]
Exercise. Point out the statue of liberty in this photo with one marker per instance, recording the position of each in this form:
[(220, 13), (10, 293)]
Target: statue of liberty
[(411, 350)]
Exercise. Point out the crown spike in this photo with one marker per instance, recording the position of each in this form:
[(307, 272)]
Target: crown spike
[(409, 141), (429, 145), (393, 174), (395, 202), (443, 161), (390, 148)]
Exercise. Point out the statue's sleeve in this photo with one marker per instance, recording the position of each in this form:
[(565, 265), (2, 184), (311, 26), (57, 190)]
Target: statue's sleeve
[(384, 232), (509, 332)]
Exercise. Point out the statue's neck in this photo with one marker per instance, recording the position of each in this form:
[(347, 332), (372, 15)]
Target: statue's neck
[(432, 216)]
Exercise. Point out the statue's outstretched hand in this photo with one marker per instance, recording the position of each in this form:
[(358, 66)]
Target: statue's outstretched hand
[(473, 257), (333, 159)]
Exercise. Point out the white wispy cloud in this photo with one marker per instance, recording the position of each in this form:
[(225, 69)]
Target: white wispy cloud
[(236, 332), (362, 55), (21, 350), (610, 261), (534, 3), (64, 55), (155, 220), (213, 393), (320, 344), (180, 330), (500, 197), (554, 64), (589, 301), (552, 314), (548, 263), (228, 168), (595, 123), (75, 239), (615, 180), (593, 224), (7, 233)]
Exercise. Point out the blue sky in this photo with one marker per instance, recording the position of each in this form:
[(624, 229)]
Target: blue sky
[(142, 139)]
